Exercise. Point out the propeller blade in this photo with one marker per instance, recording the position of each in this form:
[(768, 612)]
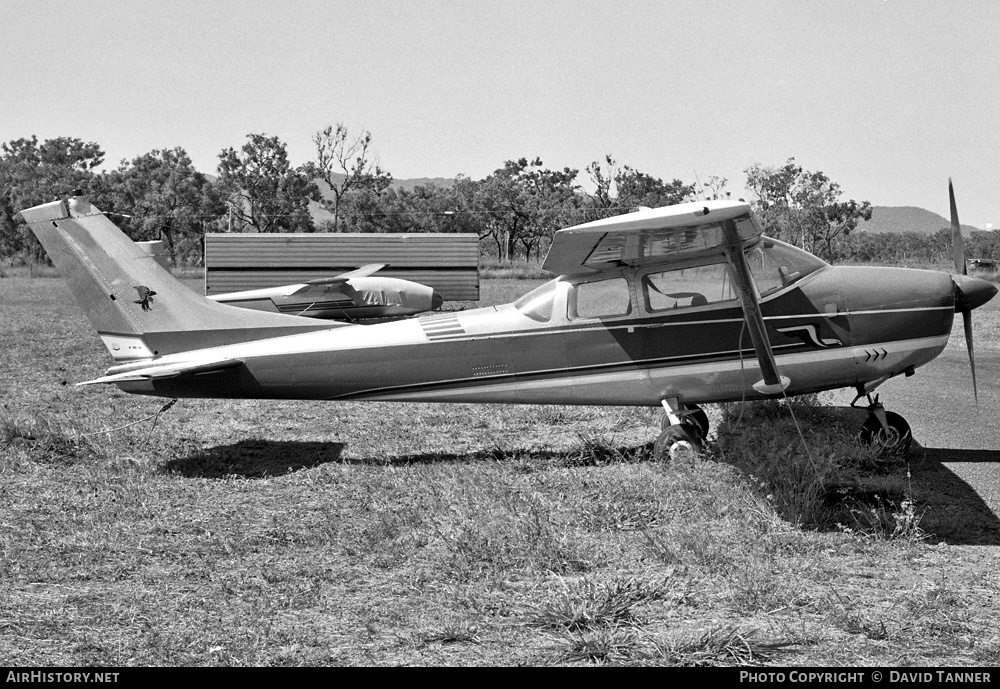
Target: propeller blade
[(957, 243), (967, 321), (969, 292)]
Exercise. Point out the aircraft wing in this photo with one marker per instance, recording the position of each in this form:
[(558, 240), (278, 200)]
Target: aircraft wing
[(289, 290), (362, 272), (283, 291), (341, 280), (328, 283), (650, 236)]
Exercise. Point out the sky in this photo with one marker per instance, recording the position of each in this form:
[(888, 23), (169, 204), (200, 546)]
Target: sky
[(889, 98)]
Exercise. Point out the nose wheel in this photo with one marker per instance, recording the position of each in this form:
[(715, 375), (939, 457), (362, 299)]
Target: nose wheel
[(677, 443), (887, 431)]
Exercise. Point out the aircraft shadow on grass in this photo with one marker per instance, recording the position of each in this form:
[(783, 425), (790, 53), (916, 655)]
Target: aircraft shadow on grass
[(955, 513), (255, 458), (258, 458), (950, 510)]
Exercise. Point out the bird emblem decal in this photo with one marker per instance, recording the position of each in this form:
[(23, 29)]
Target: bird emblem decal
[(810, 335), (145, 297)]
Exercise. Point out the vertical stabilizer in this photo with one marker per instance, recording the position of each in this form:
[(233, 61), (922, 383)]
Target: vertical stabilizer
[(138, 308)]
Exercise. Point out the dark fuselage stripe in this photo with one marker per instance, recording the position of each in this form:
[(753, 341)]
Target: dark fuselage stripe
[(478, 379)]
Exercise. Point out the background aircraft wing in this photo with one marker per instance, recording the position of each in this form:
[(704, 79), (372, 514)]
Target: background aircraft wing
[(325, 285), (288, 290), (363, 271), (650, 236)]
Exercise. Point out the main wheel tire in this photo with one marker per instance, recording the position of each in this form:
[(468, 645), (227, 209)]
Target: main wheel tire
[(677, 442), (696, 416), (895, 441)]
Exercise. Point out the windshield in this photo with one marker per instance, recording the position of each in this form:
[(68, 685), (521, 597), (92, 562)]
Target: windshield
[(775, 265), (537, 304)]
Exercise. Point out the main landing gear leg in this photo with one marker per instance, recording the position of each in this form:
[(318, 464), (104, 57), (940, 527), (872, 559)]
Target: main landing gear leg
[(886, 430), (684, 429)]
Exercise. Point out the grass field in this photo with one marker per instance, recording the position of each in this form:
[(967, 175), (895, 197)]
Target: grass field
[(276, 533)]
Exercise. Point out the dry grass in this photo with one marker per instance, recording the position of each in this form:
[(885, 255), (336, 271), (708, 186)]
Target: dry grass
[(259, 533)]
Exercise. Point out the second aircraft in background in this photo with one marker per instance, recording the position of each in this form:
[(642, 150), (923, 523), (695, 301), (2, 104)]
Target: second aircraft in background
[(346, 297)]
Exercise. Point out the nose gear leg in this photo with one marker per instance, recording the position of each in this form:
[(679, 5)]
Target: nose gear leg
[(886, 430)]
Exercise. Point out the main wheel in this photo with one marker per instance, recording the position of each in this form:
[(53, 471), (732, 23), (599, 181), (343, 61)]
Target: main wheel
[(895, 441), (677, 442), (696, 417)]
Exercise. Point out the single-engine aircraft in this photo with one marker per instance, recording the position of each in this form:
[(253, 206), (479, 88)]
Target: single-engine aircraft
[(346, 297), (673, 307)]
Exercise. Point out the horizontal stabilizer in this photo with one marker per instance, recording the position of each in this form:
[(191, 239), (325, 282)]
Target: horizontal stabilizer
[(166, 371)]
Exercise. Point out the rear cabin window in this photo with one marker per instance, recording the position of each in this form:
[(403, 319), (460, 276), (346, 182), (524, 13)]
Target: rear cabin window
[(600, 299), (698, 286)]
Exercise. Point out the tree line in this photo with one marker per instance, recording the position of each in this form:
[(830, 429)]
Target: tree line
[(514, 211)]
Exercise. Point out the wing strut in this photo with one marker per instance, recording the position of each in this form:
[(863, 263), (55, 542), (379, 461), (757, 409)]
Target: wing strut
[(773, 382)]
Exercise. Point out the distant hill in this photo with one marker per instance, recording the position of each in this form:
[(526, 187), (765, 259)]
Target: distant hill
[(407, 184), (907, 219), (319, 214)]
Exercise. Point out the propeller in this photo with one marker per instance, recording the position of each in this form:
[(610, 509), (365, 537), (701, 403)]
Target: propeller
[(957, 243), (969, 292)]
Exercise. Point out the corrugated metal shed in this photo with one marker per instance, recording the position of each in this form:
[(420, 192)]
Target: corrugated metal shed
[(240, 261)]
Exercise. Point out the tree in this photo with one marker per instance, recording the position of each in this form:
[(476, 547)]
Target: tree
[(526, 204), (984, 244), (343, 164), (841, 218), (33, 173), (716, 187), (263, 190), (802, 207), (425, 208), (639, 189), (163, 195), (622, 189), (605, 195)]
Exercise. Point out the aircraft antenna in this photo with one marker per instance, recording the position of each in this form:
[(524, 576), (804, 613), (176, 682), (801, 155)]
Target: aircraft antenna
[(698, 182)]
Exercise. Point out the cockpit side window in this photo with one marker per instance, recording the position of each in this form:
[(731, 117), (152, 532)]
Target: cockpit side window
[(687, 287), (775, 265), (600, 299)]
